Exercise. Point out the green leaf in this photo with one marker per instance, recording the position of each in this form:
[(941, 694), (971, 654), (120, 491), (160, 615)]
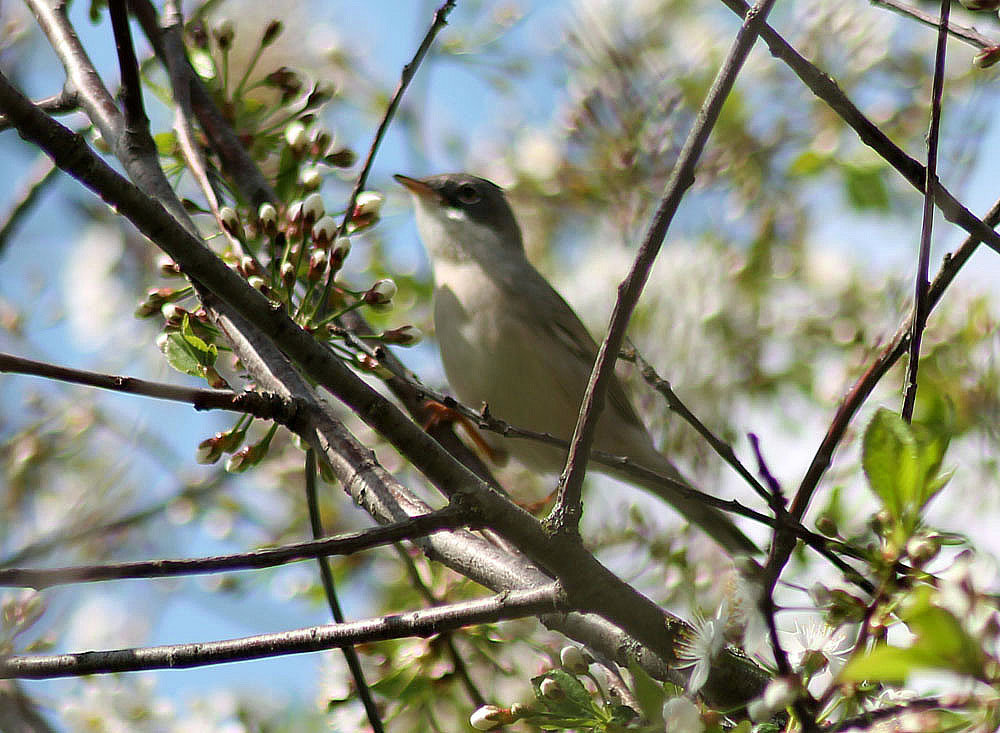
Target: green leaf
[(186, 352), (865, 187), (809, 163), (889, 456), (886, 664), (575, 702), (206, 353), (941, 643), (649, 694)]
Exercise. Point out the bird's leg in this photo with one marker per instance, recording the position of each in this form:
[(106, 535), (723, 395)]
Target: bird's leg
[(438, 414)]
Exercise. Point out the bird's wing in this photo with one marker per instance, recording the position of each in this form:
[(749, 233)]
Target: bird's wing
[(566, 328)]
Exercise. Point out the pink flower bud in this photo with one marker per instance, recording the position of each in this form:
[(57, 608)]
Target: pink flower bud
[(381, 293), (317, 265), (324, 230), (367, 204), (987, 57), (312, 208), (487, 717), (408, 336)]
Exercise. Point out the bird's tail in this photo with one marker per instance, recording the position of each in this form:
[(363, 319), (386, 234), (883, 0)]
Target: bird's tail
[(712, 521)]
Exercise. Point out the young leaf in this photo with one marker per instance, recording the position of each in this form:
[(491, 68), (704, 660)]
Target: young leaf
[(890, 459)]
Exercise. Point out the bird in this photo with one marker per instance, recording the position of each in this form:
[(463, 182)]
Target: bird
[(509, 340)]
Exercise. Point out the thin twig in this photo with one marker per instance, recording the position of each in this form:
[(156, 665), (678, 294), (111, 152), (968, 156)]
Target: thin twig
[(961, 32), (264, 405), (42, 174), (927, 223), (409, 70), (330, 590), (565, 516), (510, 605), (128, 66), (63, 103), (345, 544), (721, 447)]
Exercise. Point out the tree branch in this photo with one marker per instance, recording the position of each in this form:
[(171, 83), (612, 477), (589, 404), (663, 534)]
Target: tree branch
[(927, 223), (515, 604), (264, 405), (345, 544)]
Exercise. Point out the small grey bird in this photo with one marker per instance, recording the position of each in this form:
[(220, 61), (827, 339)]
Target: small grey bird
[(508, 338)]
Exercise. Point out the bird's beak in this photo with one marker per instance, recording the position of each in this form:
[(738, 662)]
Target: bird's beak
[(418, 187)]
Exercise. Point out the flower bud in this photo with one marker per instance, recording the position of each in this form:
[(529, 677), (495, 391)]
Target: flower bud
[(571, 657), (922, 549), (173, 314), (210, 449), (324, 231), (230, 221), (408, 336), (154, 302), (551, 689), (487, 717), (317, 265), (295, 212), (287, 274), (312, 208), (295, 136), (368, 203), (224, 32), (338, 253), (248, 266), (267, 215), (320, 141), (271, 33), (320, 95), (986, 57), (311, 178), (239, 461), (381, 293), (285, 79), (258, 283), (343, 158)]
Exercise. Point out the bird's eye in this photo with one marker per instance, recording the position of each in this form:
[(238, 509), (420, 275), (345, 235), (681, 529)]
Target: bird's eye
[(467, 194)]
